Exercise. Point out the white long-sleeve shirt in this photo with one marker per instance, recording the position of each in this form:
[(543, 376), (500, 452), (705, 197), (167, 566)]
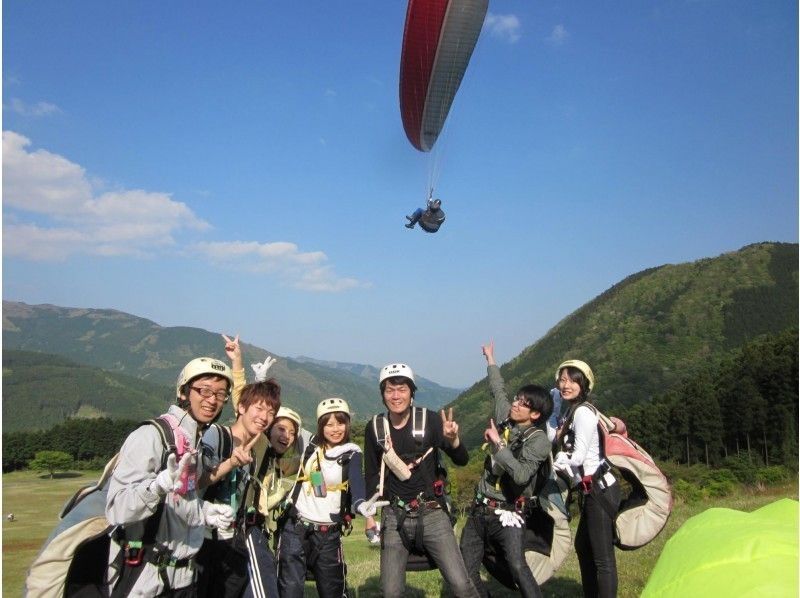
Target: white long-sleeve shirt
[(586, 451)]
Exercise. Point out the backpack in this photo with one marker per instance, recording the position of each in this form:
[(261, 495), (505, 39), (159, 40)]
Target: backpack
[(548, 539), (644, 511), (74, 558), (418, 561)]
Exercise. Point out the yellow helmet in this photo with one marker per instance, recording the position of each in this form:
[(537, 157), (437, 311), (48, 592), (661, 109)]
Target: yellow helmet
[(332, 405), (582, 366), (289, 414), (203, 366)]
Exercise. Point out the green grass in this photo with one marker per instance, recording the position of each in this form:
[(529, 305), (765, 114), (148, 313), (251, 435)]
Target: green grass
[(36, 501)]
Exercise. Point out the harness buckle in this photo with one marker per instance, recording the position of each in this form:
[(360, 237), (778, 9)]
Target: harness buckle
[(134, 552), (438, 488)]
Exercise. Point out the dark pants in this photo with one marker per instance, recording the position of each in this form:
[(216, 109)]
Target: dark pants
[(262, 569), (594, 543), (302, 548), (439, 541), (483, 527), (223, 569)]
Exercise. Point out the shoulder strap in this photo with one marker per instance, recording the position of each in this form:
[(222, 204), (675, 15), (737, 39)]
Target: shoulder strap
[(419, 417), (167, 435), (225, 441), (306, 456), (380, 426)]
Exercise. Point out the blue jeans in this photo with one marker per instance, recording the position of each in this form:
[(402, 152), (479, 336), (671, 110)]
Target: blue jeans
[(261, 566), (482, 527), (594, 543), (439, 541), (301, 548)]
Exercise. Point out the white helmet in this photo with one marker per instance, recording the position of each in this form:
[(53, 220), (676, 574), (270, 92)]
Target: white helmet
[(332, 406), (396, 369), (582, 366), (288, 414), (203, 366)]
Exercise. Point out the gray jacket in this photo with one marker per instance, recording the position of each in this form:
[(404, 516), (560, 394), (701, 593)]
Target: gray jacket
[(506, 477), (130, 502)]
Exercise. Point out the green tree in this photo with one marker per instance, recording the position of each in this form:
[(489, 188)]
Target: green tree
[(51, 461)]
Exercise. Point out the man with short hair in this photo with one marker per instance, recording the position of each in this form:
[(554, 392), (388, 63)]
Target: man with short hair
[(518, 446), (402, 466), (153, 498)]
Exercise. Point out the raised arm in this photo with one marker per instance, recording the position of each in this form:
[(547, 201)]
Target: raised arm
[(496, 384)]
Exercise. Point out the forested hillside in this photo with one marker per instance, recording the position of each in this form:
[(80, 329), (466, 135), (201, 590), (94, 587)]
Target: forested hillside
[(125, 344), (650, 332), (41, 390)]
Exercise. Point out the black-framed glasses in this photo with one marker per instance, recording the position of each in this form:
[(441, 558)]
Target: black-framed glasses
[(523, 402), (207, 393)]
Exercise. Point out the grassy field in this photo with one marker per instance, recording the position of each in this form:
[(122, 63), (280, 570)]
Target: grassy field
[(36, 501)]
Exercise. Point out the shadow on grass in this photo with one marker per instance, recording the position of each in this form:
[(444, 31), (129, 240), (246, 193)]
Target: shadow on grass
[(372, 587), (61, 475), (560, 587)]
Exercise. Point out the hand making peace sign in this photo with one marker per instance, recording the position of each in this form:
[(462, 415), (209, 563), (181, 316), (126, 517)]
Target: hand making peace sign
[(242, 455), (450, 428), (233, 351)]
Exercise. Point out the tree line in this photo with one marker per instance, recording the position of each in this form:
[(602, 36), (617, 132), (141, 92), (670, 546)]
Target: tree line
[(744, 404)]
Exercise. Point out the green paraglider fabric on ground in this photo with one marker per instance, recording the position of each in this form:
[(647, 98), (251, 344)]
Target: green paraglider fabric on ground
[(724, 552)]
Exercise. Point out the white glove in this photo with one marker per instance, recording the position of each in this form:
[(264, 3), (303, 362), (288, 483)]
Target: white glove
[(219, 516), (561, 461), (169, 480), (261, 369), (370, 507), (509, 518)]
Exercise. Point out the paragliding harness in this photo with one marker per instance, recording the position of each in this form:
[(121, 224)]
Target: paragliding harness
[(226, 491), (74, 558), (547, 536), (290, 516), (643, 513), (418, 557)]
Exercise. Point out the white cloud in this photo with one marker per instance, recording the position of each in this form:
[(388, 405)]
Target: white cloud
[(38, 109), (301, 270), (505, 27), (53, 211), (558, 35), (71, 218)]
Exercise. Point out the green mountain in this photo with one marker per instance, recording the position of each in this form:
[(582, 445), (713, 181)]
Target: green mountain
[(125, 344), (647, 333), (41, 390)]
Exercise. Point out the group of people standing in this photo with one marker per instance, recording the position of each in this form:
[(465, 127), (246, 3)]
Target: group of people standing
[(252, 508)]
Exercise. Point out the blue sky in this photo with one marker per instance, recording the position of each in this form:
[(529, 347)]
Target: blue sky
[(242, 167)]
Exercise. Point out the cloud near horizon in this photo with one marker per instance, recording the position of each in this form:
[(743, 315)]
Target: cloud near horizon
[(505, 27), (52, 212), (305, 271)]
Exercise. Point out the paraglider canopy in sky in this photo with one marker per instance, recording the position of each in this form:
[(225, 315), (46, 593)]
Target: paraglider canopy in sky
[(438, 41)]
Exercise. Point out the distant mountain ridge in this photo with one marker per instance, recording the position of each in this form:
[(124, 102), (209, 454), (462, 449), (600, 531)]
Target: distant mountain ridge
[(122, 343), (644, 334)]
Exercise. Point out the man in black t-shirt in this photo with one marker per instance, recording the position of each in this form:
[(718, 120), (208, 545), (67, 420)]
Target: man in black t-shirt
[(401, 463)]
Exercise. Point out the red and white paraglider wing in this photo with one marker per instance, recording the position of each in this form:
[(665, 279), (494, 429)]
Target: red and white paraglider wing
[(438, 41)]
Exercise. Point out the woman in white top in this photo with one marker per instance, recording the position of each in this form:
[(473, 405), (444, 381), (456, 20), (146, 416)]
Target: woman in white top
[(328, 490), (581, 456)]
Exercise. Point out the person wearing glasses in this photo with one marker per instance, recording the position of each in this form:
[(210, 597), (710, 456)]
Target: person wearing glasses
[(154, 496), (518, 448)]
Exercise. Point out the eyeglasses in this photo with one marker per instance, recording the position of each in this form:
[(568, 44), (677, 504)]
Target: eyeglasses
[(522, 402), (207, 393)]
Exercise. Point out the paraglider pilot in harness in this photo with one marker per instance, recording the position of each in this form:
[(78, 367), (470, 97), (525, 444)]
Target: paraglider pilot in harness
[(401, 456), (506, 491), (429, 219)]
